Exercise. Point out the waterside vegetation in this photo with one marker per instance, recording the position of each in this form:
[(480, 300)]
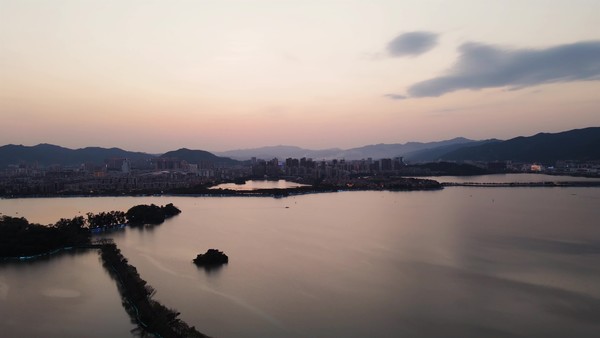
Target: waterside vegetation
[(150, 214), (21, 239), (212, 258), (149, 314)]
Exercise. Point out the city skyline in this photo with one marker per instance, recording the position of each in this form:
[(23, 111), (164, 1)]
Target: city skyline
[(156, 76)]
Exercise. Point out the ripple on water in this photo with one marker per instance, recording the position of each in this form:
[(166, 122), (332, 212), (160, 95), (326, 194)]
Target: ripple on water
[(3, 290), (61, 293)]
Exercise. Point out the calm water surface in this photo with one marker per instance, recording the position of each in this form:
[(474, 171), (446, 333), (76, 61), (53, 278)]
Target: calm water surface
[(460, 262), (254, 185), (511, 178), (67, 295)]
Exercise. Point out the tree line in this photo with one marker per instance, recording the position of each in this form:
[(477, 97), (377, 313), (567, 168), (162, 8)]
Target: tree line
[(19, 238)]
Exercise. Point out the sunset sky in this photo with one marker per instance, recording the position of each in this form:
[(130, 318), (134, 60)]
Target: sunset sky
[(218, 75)]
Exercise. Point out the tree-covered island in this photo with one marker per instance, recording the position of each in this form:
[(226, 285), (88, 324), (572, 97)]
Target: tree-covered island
[(151, 214), (212, 258)]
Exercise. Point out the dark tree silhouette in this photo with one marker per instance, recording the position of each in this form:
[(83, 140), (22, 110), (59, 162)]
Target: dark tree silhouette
[(150, 214), (19, 238)]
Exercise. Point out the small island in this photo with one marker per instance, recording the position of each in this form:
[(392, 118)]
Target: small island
[(212, 258), (151, 214)]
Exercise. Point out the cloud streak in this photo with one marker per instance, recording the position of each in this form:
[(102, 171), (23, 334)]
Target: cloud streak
[(412, 44), (395, 96), (486, 66)]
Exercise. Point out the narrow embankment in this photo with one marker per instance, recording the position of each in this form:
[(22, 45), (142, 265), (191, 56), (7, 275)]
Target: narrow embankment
[(150, 315), (566, 184)]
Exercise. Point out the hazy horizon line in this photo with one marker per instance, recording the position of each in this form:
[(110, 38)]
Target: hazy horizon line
[(289, 145)]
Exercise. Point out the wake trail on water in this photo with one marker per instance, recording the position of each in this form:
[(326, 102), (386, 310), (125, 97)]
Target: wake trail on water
[(4, 290)]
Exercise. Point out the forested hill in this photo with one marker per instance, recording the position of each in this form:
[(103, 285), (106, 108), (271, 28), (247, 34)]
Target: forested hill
[(577, 144), (48, 154), (198, 156)]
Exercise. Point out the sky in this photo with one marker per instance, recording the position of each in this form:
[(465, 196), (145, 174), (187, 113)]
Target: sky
[(218, 75)]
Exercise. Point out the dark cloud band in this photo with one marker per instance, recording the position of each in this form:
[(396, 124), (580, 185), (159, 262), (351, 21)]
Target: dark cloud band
[(412, 44), (395, 96), (485, 66)]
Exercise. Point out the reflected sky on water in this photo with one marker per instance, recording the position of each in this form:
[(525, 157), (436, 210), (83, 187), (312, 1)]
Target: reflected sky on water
[(459, 262)]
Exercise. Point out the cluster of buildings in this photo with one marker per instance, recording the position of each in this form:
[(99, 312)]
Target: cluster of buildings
[(120, 175), (575, 168), (306, 168), (116, 175)]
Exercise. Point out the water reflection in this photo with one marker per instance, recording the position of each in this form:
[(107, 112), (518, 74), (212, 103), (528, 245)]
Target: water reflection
[(460, 262), (68, 294), (17, 264), (511, 178), (212, 271), (545, 245), (255, 185)]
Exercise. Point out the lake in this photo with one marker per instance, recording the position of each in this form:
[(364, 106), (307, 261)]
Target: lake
[(459, 262), (511, 178), (66, 295), (255, 184)]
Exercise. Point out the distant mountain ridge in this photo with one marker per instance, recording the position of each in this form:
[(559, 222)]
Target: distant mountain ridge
[(577, 144), (378, 151), (47, 154), (374, 151), (436, 153), (280, 152), (198, 156)]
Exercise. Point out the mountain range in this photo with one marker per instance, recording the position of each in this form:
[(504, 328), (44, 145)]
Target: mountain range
[(48, 154), (577, 144), (198, 156), (374, 151)]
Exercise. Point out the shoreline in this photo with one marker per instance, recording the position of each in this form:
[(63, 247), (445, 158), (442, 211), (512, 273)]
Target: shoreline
[(41, 255), (356, 184), (281, 193), (547, 184), (149, 314)]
